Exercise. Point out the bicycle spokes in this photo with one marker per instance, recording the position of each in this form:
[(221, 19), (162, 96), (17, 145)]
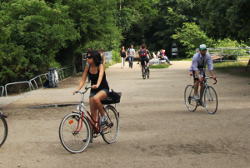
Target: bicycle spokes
[(210, 100), (190, 101)]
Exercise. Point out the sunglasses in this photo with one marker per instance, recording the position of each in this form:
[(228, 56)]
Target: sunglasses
[(89, 57)]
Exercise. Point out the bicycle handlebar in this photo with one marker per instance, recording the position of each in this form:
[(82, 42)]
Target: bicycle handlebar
[(215, 80), (2, 115), (79, 92)]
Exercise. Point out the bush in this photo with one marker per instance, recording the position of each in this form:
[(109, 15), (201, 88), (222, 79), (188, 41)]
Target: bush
[(191, 36), (116, 56)]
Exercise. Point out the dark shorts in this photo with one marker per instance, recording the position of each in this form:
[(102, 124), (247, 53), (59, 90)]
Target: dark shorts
[(94, 92), (196, 78), (143, 60)]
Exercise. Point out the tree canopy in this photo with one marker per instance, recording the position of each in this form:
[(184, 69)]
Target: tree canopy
[(38, 34)]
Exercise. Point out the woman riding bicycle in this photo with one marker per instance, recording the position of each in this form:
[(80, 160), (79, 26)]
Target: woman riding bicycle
[(99, 86)]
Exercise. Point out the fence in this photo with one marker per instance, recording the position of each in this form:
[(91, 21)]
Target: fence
[(2, 90), (230, 54), (37, 81)]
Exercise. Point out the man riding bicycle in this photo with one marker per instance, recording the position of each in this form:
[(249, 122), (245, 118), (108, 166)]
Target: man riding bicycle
[(197, 69)]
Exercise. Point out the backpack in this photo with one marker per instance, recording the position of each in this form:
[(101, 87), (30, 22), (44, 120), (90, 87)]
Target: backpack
[(143, 53)]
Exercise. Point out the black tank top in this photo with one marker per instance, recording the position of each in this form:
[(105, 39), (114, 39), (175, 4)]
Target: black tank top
[(94, 78)]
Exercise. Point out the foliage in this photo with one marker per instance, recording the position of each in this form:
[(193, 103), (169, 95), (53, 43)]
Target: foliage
[(225, 18), (33, 34), (37, 34), (116, 56), (191, 36)]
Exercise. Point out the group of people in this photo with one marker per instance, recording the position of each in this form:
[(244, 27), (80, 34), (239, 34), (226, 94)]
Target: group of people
[(95, 71), (162, 56), (130, 54)]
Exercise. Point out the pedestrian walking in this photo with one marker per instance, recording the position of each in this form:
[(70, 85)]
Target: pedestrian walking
[(123, 56)]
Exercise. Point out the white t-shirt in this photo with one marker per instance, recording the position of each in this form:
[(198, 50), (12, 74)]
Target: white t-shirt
[(131, 52)]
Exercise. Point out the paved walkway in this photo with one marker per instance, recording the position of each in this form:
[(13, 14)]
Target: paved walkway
[(155, 128)]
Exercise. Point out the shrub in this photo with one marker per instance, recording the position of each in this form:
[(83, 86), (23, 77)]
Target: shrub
[(191, 36)]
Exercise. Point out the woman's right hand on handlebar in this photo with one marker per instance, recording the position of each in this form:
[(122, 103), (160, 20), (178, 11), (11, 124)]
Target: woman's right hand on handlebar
[(75, 92)]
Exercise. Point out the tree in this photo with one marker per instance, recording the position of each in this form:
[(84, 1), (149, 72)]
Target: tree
[(191, 36), (33, 34)]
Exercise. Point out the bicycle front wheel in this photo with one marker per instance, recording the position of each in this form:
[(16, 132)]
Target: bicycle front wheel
[(210, 100), (3, 130), (74, 133), (190, 102), (111, 129)]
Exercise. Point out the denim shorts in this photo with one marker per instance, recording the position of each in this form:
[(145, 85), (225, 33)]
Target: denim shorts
[(94, 92)]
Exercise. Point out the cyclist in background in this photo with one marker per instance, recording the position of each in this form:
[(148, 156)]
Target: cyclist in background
[(123, 56), (198, 67), (144, 55)]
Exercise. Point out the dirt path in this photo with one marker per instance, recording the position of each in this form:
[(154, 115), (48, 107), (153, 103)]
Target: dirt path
[(155, 128)]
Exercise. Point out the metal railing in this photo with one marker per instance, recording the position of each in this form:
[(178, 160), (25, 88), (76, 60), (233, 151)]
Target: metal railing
[(225, 53), (35, 82), (2, 90), (14, 83)]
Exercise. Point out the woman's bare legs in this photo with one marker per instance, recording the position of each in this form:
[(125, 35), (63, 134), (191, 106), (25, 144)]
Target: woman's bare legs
[(97, 101), (93, 109)]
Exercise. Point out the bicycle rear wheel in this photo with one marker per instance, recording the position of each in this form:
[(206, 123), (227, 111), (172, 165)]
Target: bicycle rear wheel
[(143, 72), (148, 72), (74, 133), (3, 130), (210, 100), (111, 129), (190, 102)]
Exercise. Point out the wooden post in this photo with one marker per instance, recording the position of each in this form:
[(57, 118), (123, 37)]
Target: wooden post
[(248, 65)]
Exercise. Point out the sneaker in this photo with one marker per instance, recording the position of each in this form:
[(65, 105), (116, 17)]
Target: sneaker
[(103, 123), (104, 120)]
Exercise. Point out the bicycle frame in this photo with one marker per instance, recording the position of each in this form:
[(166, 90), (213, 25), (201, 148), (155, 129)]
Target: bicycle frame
[(87, 115), (205, 86)]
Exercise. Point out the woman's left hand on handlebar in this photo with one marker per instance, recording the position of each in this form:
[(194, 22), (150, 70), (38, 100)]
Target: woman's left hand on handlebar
[(94, 86)]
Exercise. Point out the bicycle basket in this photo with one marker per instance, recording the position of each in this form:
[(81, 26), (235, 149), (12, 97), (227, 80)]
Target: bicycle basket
[(113, 98)]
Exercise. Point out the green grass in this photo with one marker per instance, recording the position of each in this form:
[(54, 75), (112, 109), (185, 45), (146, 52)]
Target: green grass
[(233, 68), (243, 58), (159, 66), (181, 59)]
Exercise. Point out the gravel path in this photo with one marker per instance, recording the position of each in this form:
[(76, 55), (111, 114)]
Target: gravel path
[(155, 128)]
